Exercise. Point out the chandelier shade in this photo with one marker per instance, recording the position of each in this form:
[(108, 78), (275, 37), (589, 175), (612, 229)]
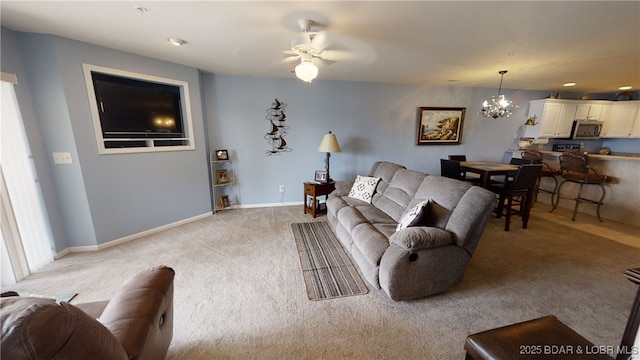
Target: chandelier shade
[(499, 105), (306, 71)]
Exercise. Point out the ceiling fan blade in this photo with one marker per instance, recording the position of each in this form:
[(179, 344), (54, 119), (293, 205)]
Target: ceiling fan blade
[(320, 40), (291, 59), (338, 55)]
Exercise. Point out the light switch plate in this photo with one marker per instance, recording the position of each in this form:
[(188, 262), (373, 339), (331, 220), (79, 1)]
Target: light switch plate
[(62, 158)]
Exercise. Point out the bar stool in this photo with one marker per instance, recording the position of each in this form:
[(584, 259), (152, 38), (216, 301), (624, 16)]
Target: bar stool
[(535, 155), (575, 168)]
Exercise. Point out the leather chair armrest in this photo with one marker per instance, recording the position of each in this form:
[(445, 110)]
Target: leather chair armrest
[(140, 315), (421, 237)]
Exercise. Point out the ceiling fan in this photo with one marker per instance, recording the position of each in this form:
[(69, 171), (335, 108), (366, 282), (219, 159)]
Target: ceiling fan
[(307, 47)]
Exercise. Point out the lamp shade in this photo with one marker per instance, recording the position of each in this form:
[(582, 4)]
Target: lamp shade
[(329, 144), (306, 71)]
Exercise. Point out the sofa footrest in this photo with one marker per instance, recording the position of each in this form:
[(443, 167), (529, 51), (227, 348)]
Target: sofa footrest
[(543, 338)]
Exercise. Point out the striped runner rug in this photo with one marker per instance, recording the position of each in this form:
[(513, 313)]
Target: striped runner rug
[(326, 268)]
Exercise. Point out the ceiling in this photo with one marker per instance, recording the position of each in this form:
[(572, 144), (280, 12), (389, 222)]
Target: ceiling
[(542, 44)]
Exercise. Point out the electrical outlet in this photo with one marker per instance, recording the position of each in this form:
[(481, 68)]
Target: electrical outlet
[(281, 188)]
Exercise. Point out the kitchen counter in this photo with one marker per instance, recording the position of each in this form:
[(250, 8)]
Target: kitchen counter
[(612, 156)]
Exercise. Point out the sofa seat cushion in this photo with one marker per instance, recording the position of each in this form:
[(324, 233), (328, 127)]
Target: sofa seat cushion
[(374, 215), (371, 242), (336, 203)]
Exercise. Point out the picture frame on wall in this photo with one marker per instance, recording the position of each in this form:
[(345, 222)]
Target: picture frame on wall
[(222, 176), (222, 154), (320, 176), (440, 125)]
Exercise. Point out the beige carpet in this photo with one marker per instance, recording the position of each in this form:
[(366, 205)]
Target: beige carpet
[(239, 292)]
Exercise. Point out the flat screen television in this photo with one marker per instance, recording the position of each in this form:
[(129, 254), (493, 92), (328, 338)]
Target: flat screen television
[(132, 108)]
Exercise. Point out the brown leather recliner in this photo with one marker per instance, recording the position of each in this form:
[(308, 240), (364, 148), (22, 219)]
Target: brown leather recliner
[(137, 323)]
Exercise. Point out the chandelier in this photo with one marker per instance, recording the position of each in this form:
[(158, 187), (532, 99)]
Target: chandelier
[(499, 106)]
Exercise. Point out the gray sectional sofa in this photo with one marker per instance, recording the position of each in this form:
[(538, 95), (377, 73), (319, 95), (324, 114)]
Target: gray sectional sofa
[(415, 261)]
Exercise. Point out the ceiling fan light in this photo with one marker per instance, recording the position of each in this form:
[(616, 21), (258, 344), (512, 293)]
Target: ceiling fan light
[(306, 71)]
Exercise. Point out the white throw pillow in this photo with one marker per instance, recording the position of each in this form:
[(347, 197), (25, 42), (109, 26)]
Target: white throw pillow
[(363, 188), (415, 216)]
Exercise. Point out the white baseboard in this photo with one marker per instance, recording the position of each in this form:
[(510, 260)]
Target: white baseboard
[(249, 206), (79, 249)]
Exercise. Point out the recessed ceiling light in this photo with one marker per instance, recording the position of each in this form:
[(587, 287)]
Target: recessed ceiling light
[(569, 84), (176, 41), (625, 87)]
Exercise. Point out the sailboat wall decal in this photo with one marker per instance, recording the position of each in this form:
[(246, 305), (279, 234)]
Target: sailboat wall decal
[(275, 137)]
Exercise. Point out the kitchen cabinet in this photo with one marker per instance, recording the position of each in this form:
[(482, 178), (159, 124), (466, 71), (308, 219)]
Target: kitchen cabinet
[(635, 130), (555, 118), (623, 121), (592, 110)]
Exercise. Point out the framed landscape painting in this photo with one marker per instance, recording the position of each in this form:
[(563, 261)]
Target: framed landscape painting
[(440, 125)]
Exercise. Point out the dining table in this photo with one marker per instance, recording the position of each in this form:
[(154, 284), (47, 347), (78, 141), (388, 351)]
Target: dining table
[(487, 169)]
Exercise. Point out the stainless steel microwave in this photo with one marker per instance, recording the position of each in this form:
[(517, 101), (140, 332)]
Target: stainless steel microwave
[(586, 129)]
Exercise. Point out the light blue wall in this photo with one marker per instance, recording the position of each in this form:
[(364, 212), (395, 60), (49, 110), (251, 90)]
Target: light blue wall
[(372, 121), (100, 198)]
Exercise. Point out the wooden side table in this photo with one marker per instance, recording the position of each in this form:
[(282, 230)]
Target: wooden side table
[(311, 192)]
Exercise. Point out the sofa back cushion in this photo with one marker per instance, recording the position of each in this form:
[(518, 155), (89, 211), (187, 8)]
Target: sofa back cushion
[(395, 198), (443, 194)]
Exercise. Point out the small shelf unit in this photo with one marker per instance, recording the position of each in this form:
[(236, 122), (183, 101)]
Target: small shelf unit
[(223, 183)]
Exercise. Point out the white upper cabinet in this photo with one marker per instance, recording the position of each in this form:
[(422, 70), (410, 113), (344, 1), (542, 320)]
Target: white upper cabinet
[(592, 110), (555, 118), (623, 121)]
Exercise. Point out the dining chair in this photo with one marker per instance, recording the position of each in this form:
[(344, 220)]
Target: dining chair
[(463, 172), (575, 168), (452, 169), (519, 161), (458, 157), (547, 172), (509, 177), (514, 197)]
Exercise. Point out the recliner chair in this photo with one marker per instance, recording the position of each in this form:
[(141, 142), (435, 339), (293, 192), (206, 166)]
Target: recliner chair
[(137, 323)]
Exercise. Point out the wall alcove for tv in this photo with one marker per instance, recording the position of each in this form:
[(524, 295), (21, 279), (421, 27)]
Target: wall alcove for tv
[(138, 113)]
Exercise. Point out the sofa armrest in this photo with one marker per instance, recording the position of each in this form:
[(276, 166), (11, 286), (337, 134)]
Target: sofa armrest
[(421, 237), (140, 315), (342, 188)]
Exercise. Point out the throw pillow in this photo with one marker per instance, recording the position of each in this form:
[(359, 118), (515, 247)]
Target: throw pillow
[(363, 188), (417, 216)]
